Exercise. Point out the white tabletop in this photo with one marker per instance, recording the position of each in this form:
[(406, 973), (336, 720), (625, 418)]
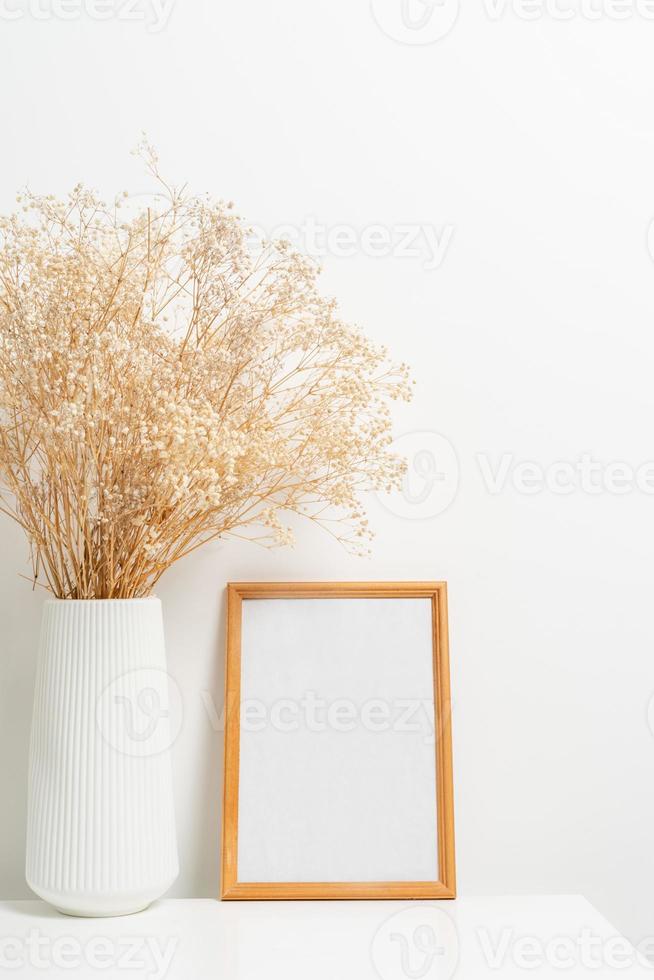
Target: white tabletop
[(471, 938)]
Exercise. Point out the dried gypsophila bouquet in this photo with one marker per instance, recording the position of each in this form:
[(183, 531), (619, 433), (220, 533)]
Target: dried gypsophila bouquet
[(165, 382)]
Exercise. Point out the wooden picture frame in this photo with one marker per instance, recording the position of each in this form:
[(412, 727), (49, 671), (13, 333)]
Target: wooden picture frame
[(443, 885)]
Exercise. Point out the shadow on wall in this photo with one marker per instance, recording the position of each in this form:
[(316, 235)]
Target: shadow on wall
[(20, 619), (194, 610)]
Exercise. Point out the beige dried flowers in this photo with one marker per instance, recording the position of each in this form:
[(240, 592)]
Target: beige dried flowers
[(164, 382)]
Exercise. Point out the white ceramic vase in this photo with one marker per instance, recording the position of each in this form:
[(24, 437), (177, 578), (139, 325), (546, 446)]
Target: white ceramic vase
[(101, 826)]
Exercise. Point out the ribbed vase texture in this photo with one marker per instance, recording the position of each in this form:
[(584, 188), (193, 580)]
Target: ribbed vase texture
[(101, 825)]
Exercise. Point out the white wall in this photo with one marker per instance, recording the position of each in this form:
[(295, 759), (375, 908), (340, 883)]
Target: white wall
[(534, 141)]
